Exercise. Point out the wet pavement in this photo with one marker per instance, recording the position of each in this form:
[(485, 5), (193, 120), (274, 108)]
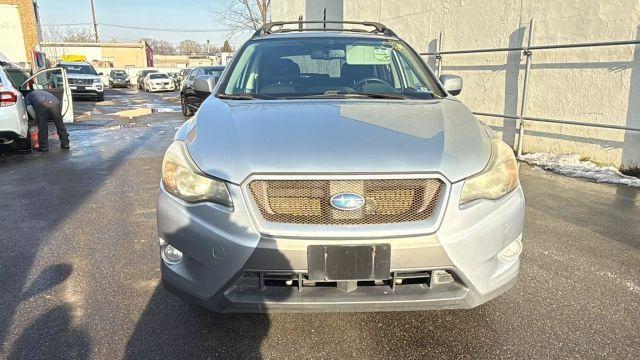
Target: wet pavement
[(79, 267)]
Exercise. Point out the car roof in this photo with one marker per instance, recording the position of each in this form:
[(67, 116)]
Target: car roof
[(84, 63), (215, 67), (321, 34)]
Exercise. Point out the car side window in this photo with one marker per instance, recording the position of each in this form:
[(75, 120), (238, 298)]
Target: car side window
[(195, 73)]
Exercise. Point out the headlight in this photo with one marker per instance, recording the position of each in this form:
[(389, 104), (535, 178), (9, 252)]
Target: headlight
[(497, 179), (180, 178), (97, 81)]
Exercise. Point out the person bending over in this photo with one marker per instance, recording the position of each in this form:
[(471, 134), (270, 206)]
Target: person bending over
[(44, 106)]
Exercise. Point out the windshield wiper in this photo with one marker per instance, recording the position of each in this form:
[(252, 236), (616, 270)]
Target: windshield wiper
[(244, 96), (378, 95), (347, 95)]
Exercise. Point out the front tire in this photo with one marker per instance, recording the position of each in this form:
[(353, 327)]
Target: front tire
[(23, 144), (100, 97)]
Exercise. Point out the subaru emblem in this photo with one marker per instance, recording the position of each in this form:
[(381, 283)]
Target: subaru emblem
[(347, 201)]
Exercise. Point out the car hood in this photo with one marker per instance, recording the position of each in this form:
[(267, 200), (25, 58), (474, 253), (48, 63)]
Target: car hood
[(234, 139)]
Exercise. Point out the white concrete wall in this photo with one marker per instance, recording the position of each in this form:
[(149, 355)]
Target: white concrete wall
[(599, 85), (11, 39), (315, 10)]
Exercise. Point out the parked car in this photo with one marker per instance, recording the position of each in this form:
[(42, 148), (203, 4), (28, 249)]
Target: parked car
[(331, 170), (174, 77), (84, 80), (189, 100), (183, 73), (158, 82), (119, 78), (14, 121), (141, 75)]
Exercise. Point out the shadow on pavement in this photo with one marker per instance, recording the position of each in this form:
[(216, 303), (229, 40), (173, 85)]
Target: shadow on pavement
[(48, 278), (170, 328), (44, 190), (52, 335)]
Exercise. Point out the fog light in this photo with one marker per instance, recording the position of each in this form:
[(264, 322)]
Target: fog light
[(441, 277), (512, 250), (170, 254)]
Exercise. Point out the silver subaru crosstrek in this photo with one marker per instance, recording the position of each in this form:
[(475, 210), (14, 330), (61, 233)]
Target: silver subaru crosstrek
[(330, 170)]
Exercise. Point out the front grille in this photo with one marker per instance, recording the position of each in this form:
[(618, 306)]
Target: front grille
[(81, 81), (308, 201)]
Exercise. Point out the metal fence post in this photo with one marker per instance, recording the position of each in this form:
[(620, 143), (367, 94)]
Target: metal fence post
[(438, 55), (523, 107)]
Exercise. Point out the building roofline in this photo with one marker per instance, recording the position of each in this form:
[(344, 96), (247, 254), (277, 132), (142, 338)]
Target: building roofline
[(79, 44)]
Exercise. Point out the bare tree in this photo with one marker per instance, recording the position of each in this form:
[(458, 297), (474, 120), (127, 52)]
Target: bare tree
[(160, 47), (244, 15), (68, 34), (188, 47)]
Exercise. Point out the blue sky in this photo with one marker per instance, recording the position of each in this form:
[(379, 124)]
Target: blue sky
[(182, 14)]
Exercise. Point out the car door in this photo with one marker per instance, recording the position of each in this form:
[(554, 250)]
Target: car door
[(54, 81), (189, 95)]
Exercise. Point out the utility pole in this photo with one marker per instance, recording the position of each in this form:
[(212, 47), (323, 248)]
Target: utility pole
[(95, 26)]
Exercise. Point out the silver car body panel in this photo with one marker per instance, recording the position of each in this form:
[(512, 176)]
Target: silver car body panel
[(337, 136)]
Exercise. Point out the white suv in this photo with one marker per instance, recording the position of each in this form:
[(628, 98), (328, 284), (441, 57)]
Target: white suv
[(14, 122), (84, 80)]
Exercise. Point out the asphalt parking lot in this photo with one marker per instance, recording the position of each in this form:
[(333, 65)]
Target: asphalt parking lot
[(80, 271)]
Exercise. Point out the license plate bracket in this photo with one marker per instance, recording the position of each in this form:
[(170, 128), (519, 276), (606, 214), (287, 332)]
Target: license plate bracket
[(349, 262)]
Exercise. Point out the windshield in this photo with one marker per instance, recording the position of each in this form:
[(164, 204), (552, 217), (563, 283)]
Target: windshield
[(158, 76), (79, 69), (329, 67), (118, 73), (213, 71)]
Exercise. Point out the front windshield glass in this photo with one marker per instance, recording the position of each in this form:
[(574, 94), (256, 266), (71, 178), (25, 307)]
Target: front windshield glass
[(79, 69), (158, 76), (118, 73), (329, 67), (213, 71)]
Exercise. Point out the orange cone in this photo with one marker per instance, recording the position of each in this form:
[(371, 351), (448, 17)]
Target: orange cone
[(33, 135)]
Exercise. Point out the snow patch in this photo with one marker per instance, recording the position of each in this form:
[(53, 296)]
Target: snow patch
[(571, 165)]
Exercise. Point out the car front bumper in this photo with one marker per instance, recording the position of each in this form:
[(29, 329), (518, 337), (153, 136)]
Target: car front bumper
[(169, 87), (226, 259), (87, 90), (119, 83)]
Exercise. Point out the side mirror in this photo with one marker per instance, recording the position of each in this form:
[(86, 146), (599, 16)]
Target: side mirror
[(451, 83), (100, 73), (203, 85)]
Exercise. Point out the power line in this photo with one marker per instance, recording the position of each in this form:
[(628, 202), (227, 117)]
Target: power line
[(162, 29), (139, 27), (76, 24)]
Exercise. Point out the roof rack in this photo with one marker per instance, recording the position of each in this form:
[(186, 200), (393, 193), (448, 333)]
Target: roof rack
[(268, 28)]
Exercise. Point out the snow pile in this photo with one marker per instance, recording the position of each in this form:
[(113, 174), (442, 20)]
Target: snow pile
[(571, 165)]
